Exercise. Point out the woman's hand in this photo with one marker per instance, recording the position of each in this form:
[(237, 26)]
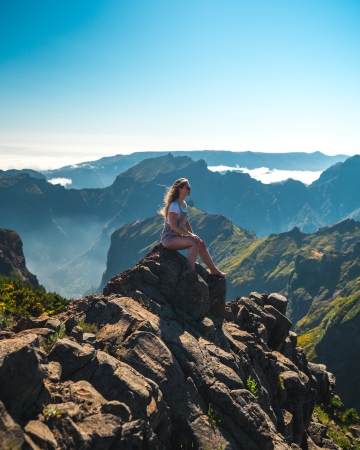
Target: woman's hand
[(197, 239)]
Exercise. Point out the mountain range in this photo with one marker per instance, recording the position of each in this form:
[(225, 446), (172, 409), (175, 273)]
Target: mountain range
[(66, 228), (102, 173)]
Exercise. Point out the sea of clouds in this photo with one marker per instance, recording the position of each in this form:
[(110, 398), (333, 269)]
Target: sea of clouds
[(268, 176), (62, 181)]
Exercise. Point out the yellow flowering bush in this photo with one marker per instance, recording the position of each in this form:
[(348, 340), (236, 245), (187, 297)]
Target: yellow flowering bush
[(27, 300)]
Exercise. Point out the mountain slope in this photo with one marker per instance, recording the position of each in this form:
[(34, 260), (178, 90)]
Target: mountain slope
[(330, 335)]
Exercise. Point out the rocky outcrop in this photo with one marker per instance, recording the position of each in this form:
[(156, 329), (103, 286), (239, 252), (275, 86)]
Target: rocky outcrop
[(12, 260), (171, 367)]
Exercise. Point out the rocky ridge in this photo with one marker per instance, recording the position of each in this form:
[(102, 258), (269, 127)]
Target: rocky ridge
[(171, 367)]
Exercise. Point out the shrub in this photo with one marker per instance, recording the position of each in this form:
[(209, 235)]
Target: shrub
[(342, 442), (4, 321), (351, 417), (215, 418), (323, 416), (26, 300), (88, 327), (51, 341), (335, 404), (251, 386)]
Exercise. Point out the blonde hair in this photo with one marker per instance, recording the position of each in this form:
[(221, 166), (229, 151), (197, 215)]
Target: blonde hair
[(172, 193)]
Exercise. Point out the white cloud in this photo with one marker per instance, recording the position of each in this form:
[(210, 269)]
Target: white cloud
[(62, 181), (268, 176)]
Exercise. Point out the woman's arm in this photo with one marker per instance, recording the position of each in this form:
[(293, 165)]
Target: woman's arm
[(188, 227), (173, 224)]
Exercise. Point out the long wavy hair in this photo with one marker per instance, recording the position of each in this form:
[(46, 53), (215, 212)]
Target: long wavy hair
[(172, 193)]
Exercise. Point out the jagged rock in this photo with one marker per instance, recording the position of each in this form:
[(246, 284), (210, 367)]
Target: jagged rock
[(258, 298), (192, 295), (42, 333), (281, 329), (12, 260), (278, 301), (69, 436), (20, 374), (70, 323), (89, 338), (168, 375), (102, 428), (292, 381), (162, 276), (317, 432), (285, 424), (207, 328), (77, 333), (53, 324), (83, 391), (55, 371), (70, 355), (11, 434), (41, 434), (136, 435), (117, 409), (28, 323)]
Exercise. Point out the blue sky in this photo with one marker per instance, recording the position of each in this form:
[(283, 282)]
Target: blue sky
[(100, 77)]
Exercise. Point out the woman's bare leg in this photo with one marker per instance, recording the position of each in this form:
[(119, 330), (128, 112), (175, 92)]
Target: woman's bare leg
[(206, 259), (186, 242)]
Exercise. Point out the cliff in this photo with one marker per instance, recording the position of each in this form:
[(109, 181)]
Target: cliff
[(168, 366), (12, 260)]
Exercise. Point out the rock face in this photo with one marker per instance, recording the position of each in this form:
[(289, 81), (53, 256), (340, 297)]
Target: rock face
[(171, 367), (12, 260)]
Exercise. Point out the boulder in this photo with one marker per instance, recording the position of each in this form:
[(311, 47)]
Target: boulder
[(207, 329), (20, 373), (292, 381), (69, 436), (89, 338), (117, 409), (70, 355), (41, 434), (102, 428), (192, 295), (278, 301), (11, 434), (281, 329), (77, 333)]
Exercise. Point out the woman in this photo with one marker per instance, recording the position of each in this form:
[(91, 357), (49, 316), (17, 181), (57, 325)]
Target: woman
[(177, 233)]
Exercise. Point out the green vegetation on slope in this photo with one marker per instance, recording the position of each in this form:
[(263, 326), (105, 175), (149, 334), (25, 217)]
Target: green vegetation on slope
[(27, 300), (329, 334), (339, 423)]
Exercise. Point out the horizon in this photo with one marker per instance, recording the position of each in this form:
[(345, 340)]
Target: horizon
[(98, 78), (36, 161)]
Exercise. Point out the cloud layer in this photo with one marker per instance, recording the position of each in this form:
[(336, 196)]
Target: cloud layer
[(268, 176)]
